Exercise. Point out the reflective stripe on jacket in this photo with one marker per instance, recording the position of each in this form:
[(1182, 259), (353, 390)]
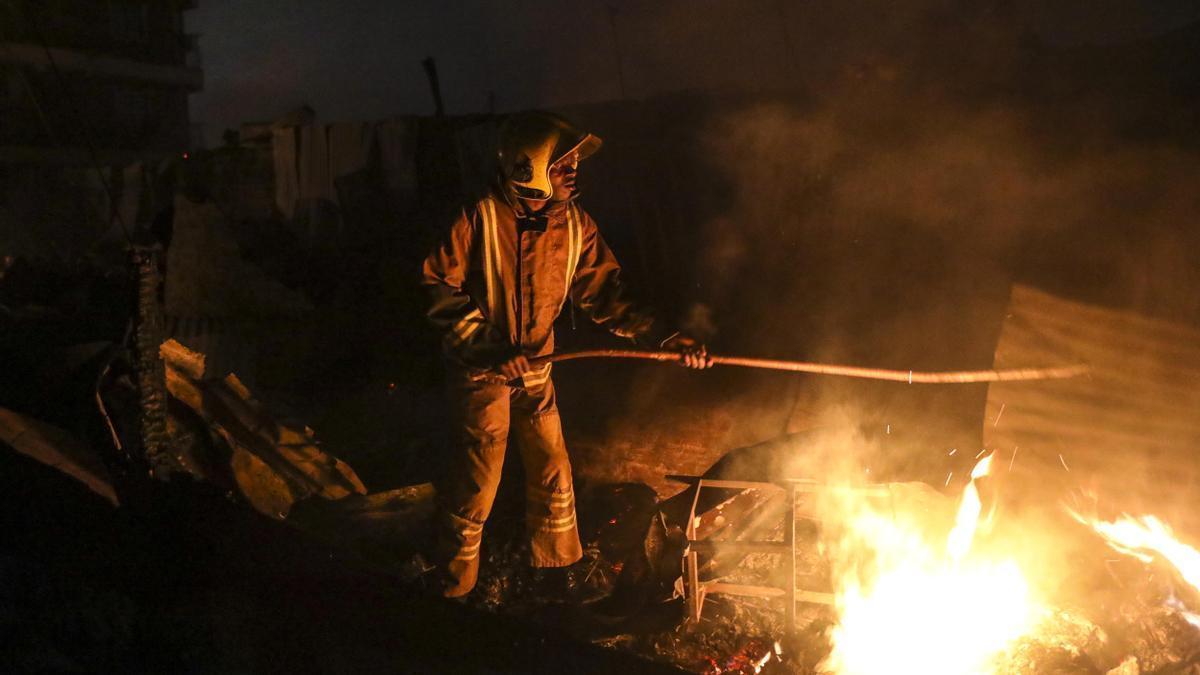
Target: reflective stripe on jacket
[(500, 277)]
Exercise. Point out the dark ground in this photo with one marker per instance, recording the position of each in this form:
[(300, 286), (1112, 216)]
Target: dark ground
[(183, 580)]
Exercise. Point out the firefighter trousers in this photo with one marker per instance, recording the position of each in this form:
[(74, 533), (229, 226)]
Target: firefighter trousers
[(484, 413)]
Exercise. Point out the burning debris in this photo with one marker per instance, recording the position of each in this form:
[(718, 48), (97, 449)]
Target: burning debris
[(905, 598), (925, 583), (920, 581), (906, 578)]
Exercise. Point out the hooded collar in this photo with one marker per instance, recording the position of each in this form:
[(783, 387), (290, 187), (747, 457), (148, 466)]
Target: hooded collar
[(534, 220)]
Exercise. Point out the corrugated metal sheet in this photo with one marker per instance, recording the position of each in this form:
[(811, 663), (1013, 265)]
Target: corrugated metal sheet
[(1131, 431)]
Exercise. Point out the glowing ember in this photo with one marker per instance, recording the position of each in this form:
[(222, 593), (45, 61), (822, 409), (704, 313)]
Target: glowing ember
[(920, 604), (1177, 605)]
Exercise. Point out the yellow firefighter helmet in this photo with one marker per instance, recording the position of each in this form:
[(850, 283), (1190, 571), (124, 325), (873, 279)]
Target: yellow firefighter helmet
[(531, 142)]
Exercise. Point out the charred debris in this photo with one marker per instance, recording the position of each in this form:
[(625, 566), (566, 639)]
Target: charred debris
[(162, 516)]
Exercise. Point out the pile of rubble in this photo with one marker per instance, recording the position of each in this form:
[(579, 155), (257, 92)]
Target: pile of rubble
[(113, 414)]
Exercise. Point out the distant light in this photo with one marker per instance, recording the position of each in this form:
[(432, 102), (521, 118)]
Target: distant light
[(185, 155)]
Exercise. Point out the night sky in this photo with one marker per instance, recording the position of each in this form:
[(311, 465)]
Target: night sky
[(360, 59)]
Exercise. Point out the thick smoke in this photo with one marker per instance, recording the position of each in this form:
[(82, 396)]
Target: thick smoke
[(882, 219)]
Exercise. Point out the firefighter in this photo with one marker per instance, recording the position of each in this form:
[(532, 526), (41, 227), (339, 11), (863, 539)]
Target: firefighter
[(497, 282)]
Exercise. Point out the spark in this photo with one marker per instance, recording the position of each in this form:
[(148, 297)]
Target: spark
[(948, 477), (997, 420), (1014, 456), (889, 429), (981, 453), (952, 451), (1064, 462)]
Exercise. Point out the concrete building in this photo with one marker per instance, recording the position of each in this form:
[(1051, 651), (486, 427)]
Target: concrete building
[(111, 74), (94, 103)]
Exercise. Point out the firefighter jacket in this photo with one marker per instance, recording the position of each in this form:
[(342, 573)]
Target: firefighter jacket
[(501, 275)]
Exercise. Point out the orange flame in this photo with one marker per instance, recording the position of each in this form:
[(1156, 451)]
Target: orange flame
[(1141, 537), (967, 520), (923, 605)]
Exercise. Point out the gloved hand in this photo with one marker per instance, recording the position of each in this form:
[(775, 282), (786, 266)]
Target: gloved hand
[(514, 367), (692, 353)]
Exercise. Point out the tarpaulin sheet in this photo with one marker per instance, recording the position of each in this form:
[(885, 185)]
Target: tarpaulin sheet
[(287, 177), (309, 159), (476, 148), (316, 181), (349, 147), (1130, 430), (397, 139)]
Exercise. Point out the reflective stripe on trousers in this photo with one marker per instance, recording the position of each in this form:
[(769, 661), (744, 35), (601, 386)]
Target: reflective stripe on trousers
[(485, 413)]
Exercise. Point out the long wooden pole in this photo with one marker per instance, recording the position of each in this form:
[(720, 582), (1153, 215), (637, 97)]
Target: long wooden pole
[(908, 376)]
